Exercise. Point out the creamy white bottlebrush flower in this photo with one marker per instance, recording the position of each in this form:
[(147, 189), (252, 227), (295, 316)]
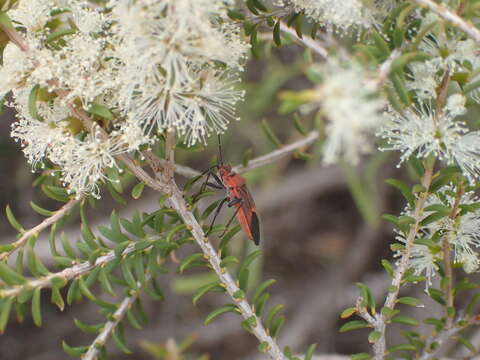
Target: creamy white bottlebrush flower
[(419, 131), (83, 162), (352, 108), (178, 70), (343, 15), (32, 14)]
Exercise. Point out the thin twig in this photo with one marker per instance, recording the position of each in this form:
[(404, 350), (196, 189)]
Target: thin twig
[(110, 326), (36, 230), (278, 154), (384, 70), (450, 16), (379, 320), (440, 337), (178, 203), (66, 274), (308, 42)]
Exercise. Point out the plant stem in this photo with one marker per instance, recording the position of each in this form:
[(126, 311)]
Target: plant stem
[(452, 17), (39, 228)]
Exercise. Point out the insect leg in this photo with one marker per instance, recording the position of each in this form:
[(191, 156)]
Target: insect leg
[(234, 201), (217, 211)]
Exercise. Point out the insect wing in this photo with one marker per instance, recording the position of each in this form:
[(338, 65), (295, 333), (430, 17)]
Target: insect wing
[(248, 215)]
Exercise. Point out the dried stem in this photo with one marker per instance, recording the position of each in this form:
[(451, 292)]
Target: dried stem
[(109, 328), (452, 17), (39, 228)]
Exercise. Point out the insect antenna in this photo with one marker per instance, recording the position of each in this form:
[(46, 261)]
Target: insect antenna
[(220, 150)]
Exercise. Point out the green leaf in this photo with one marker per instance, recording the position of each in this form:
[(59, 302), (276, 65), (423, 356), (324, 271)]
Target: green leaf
[(228, 260), (59, 34), (465, 342), (260, 303), (402, 347), (270, 134), (298, 125), (120, 340), (5, 21), (388, 267), (404, 189), (10, 276), (36, 311), (89, 329), (74, 351), (263, 347), (100, 110), (189, 262), (277, 38), (277, 326), (13, 221), (214, 286), (5, 314), (436, 295), (411, 301), (221, 310), (348, 312), (361, 356), (41, 210), (353, 325), (310, 352), (272, 313), (57, 298), (407, 320), (389, 312), (261, 288), (374, 336), (138, 190)]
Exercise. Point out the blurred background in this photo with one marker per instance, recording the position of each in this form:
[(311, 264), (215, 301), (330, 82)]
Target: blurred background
[(321, 233)]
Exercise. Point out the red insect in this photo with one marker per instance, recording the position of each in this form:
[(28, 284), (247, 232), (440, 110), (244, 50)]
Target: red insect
[(238, 196)]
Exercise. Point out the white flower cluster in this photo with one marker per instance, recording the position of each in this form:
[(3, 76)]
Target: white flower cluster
[(342, 16), (158, 65), (461, 232), (352, 108), (420, 131)]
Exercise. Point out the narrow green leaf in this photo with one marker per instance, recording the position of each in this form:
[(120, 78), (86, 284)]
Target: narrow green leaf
[(36, 310), (270, 134), (261, 288), (348, 312), (402, 347), (57, 298), (272, 313), (189, 261), (353, 325), (277, 38), (10, 276), (5, 314), (120, 340), (221, 310), (89, 329), (41, 210), (411, 301), (404, 189), (465, 342), (403, 319), (13, 221), (32, 103), (74, 351), (138, 190), (374, 336), (214, 286), (100, 110), (361, 356), (310, 352)]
